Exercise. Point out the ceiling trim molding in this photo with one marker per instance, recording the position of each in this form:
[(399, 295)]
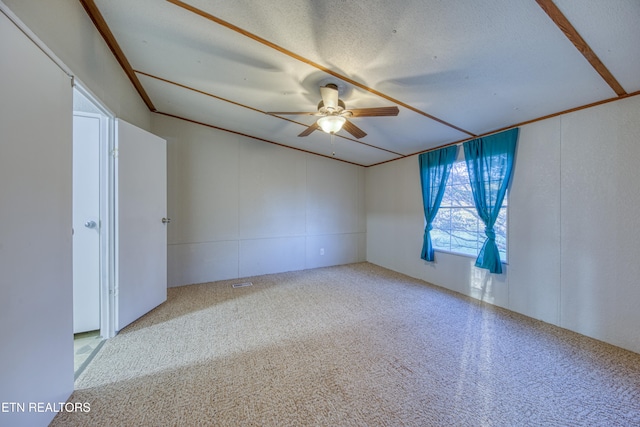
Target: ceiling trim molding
[(196, 90), (256, 138), (310, 62), (572, 34), (549, 116), (255, 109), (102, 27)]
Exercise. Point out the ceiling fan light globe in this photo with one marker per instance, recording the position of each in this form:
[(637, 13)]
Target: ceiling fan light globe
[(331, 124)]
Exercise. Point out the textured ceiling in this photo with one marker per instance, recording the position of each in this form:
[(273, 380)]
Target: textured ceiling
[(455, 69)]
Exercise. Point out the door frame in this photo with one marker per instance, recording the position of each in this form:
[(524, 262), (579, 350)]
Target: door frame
[(107, 213)]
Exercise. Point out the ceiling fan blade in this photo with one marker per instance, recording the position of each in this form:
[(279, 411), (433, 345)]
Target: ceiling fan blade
[(374, 112), (353, 130), (284, 113), (329, 95), (308, 130)]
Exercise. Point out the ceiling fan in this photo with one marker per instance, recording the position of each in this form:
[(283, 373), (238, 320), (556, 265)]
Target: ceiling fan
[(334, 114)]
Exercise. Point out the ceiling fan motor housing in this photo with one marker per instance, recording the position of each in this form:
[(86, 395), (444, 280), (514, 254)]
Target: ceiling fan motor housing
[(323, 110)]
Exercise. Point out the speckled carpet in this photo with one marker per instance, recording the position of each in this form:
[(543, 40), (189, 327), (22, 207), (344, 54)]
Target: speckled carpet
[(354, 345)]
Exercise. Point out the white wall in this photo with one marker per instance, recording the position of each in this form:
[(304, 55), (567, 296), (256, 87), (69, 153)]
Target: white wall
[(573, 239), (36, 336), (241, 207), (600, 240)]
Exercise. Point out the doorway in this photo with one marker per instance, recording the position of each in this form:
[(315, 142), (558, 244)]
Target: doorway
[(119, 220), (92, 225)]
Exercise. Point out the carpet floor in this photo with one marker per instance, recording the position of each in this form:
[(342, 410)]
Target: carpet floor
[(353, 345)]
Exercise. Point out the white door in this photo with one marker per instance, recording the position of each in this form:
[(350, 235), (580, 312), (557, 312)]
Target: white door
[(141, 236), (86, 222)]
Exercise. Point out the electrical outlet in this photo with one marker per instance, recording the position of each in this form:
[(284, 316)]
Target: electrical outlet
[(321, 251)]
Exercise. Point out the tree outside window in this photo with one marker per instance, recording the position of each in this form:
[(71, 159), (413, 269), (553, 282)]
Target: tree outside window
[(457, 227)]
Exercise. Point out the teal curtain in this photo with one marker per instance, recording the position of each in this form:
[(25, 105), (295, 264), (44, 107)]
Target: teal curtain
[(490, 164), (434, 172)]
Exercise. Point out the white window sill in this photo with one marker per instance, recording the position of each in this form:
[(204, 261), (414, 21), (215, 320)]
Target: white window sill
[(460, 254)]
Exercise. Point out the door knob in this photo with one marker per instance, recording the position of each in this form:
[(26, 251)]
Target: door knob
[(166, 220), (90, 224)]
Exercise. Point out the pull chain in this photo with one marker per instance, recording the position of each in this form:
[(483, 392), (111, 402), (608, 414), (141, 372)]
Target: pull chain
[(333, 153)]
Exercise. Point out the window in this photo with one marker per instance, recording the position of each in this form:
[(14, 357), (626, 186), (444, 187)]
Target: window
[(457, 227)]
